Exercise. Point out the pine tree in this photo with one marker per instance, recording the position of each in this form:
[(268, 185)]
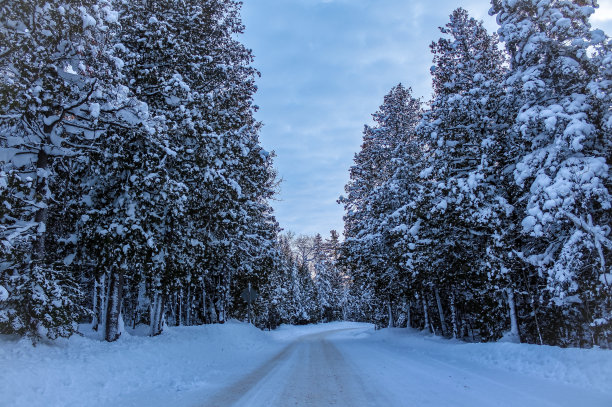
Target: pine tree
[(327, 278), (465, 127), (58, 90), (197, 82), (366, 250), (559, 82)]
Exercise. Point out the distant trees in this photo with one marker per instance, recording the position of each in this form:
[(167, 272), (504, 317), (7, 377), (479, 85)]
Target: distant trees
[(308, 284), (494, 210)]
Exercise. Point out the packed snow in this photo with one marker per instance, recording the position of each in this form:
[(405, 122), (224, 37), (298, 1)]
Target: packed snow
[(237, 364)]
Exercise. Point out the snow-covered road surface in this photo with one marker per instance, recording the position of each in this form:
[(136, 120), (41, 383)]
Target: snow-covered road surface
[(310, 371), (352, 367), (337, 364)]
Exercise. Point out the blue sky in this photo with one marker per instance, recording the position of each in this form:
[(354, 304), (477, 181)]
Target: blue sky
[(326, 66)]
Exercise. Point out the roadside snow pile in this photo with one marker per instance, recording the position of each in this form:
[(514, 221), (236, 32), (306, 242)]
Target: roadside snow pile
[(179, 367), (584, 368)]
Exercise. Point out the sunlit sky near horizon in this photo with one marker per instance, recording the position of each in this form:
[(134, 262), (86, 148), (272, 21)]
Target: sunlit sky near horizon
[(326, 66)]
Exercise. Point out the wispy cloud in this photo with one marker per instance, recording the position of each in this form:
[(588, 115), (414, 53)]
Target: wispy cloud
[(326, 65)]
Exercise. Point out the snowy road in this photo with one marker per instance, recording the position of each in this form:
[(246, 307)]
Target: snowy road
[(345, 367), (311, 371), (336, 364)]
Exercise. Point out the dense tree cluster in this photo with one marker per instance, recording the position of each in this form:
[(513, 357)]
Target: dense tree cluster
[(488, 212), (307, 285), (133, 184), (135, 190)]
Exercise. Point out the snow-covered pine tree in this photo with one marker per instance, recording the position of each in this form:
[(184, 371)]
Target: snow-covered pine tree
[(464, 127), (269, 308), (374, 162), (323, 277), (560, 83), (58, 86), (197, 79), (366, 248), (327, 279), (131, 194)]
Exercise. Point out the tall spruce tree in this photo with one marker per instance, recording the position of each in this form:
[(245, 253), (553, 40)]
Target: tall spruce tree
[(560, 84), (203, 178), (59, 91), (366, 248), (131, 159), (465, 127)]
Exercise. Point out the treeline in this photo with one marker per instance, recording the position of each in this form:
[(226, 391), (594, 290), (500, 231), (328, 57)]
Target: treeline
[(134, 187), (307, 285), (488, 211)]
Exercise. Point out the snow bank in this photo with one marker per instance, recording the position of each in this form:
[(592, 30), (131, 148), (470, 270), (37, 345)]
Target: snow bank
[(179, 367), (589, 369)]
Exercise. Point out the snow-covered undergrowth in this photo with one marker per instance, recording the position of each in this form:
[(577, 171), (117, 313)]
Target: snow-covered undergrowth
[(184, 366)]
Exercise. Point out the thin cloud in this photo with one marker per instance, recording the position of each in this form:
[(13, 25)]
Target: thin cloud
[(326, 66)]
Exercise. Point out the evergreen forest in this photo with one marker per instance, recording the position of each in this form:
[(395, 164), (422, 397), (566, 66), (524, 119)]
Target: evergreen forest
[(135, 189)]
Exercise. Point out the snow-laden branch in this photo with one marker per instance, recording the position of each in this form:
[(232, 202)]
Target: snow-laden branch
[(590, 228)]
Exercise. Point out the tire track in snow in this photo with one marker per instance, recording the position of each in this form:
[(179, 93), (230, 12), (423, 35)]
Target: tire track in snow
[(229, 396), (310, 371)]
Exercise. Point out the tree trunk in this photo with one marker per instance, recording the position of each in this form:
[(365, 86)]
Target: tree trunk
[(212, 312), (441, 312), (472, 331), (98, 299), (390, 312), (204, 308), (221, 314), (188, 307), (115, 294), (409, 314), (407, 311), (173, 307), (454, 315), (426, 313), (535, 318), (514, 330), (180, 307), (139, 295), (94, 311), (249, 306), (157, 312), (42, 196)]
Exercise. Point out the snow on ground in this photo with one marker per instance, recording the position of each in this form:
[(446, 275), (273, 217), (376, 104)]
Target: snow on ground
[(178, 367), (287, 333), (587, 368), (185, 366), (418, 369)]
